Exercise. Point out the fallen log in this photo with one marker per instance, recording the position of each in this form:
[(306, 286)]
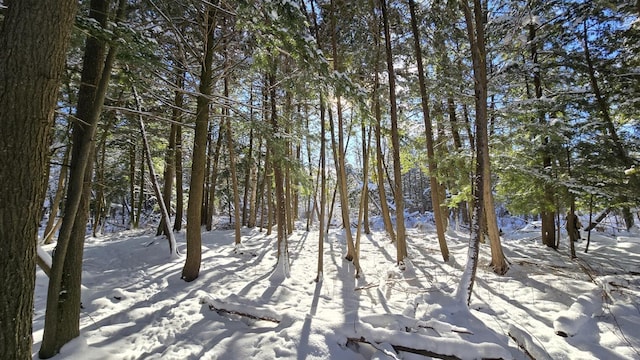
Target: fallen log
[(597, 221), (398, 348)]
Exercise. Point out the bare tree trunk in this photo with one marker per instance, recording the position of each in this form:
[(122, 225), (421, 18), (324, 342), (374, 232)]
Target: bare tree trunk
[(267, 180), (249, 166), (323, 188), (603, 106), (34, 36), (433, 181), (255, 176), (547, 216), (572, 227), (63, 296), (100, 205), (177, 225), (191, 268), (57, 199), (401, 243), (385, 213), (211, 203), (141, 188), (475, 33), (232, 165), (173, 250), (278, 177), (340, 153)]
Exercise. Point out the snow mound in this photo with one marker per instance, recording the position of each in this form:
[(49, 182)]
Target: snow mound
[(573, 319)]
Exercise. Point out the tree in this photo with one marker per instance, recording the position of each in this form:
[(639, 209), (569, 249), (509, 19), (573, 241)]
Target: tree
[(435, 198), (191, 268), (340, 151), (63, 296), (401, 242), (475, 33), (34, 36)]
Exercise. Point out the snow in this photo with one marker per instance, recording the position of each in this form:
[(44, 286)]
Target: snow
[(135, 306)]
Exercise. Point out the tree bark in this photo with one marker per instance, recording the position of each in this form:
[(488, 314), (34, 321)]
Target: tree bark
[(433, 181), (63, 296), (401, 243), (278, 154), (340, 153), (215, 163), (191, 268), (603, 106), (547, 215), (323, 188), (384, 206), (173, 250), (475, 34), (34, 36), (177, 224), (232, 165), (57, 199)]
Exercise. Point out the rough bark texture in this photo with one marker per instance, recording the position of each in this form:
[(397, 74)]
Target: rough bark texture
[(164, 212), (384, 207), (278, 176), (476, 36), (340, 154), (547, 216), (232, 165), (63, 295), (603, 106), (401, 243), (435, 194), (49, 230), (33, 38), (191, 268)]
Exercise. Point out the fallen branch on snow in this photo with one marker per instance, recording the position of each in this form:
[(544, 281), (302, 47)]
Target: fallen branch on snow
[(525, 342), (398, 348), (250, 316)]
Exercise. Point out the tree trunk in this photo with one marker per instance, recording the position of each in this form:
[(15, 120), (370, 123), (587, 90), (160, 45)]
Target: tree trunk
[(475, 33), (99, 202), (603, 106), (191, 268), (340, 153), (177, 224), (63, 296), (232, 165), (169, 173), (384, 206), (547, 215), (141, 187), (433, 182), (211, 203), (132, 184), (255, 176), (249, 166), (278, 177), (323, 188), (401, 243), (173, 250), (34, 36), (57, 199)]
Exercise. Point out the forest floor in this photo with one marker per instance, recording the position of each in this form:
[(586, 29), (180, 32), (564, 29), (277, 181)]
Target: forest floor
[(135, 306)]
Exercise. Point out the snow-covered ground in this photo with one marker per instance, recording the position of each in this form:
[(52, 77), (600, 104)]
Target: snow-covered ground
[(546, 306)]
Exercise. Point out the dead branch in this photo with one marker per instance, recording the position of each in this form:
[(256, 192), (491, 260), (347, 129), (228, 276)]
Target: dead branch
[(398, 348), (250, 316)]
